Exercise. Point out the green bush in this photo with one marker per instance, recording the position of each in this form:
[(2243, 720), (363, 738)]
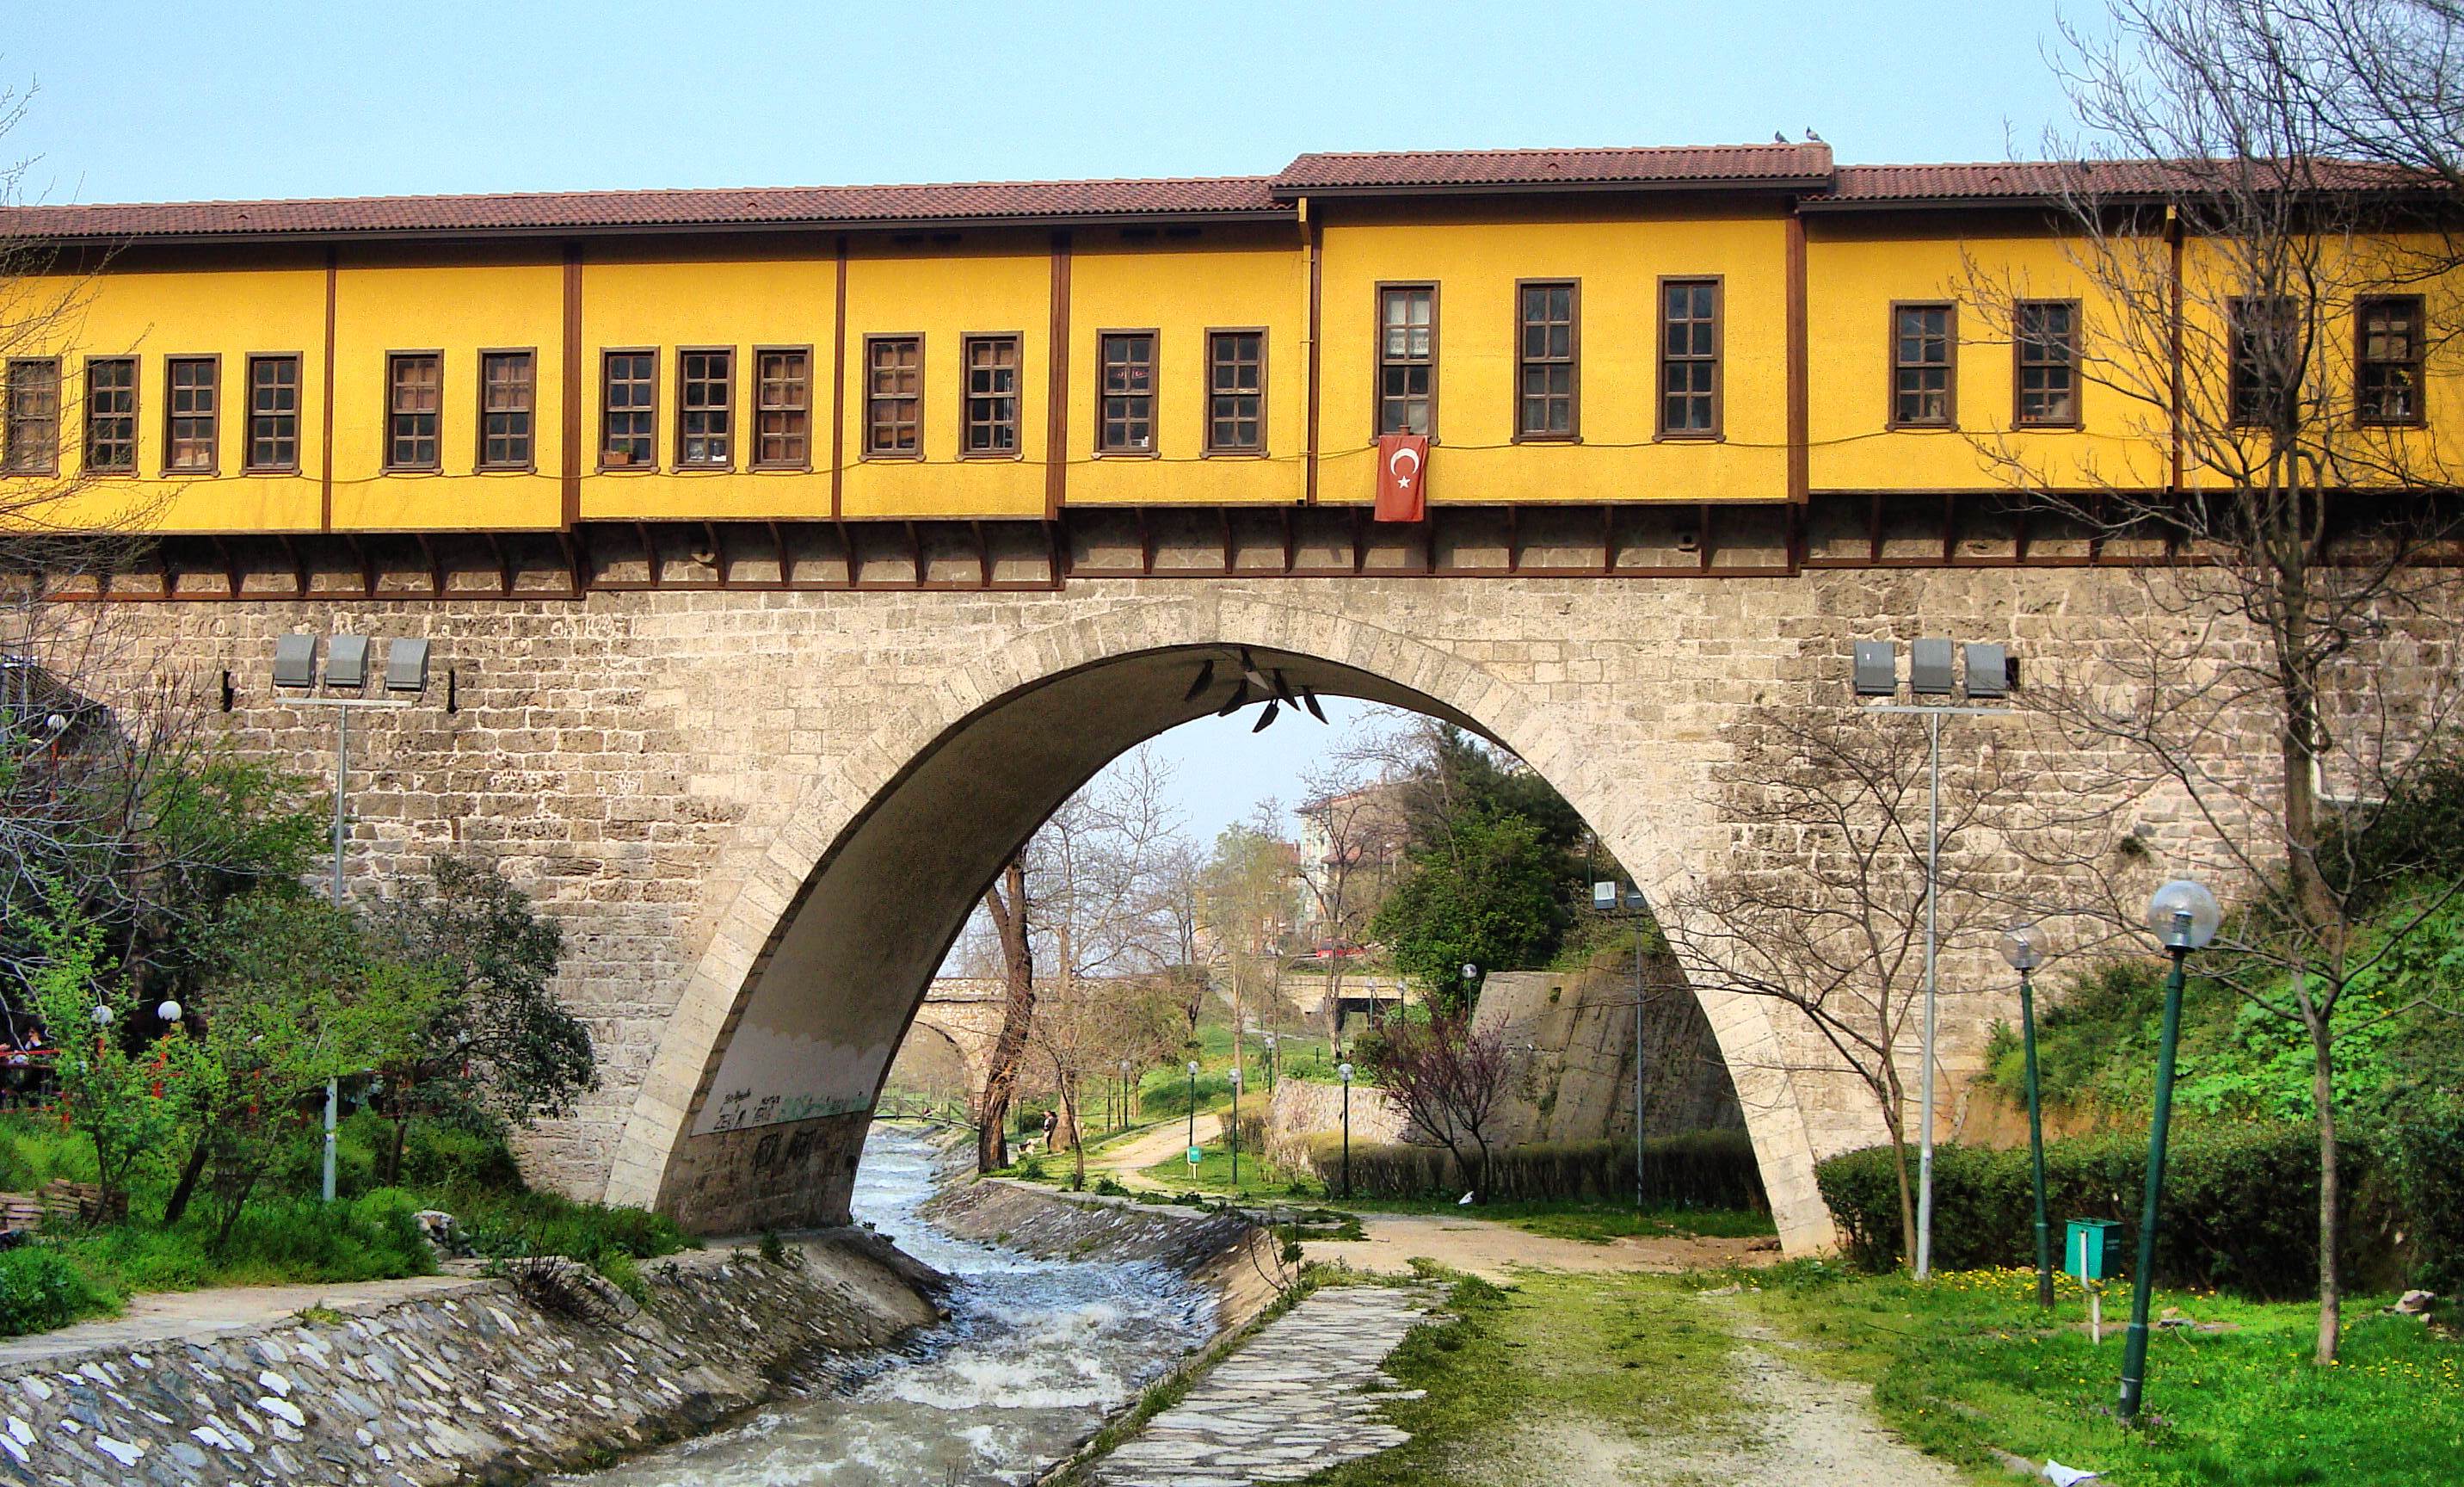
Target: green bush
[(1709, 1169), (2240, 1207), (41, 1288), (506, 1225), (2423, 1163)]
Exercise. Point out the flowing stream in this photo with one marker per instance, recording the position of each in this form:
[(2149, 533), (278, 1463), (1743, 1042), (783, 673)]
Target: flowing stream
[(1035, 1356)]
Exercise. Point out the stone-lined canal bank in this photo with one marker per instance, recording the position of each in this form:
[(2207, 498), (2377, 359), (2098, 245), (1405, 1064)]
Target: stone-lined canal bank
[(444, 1382)]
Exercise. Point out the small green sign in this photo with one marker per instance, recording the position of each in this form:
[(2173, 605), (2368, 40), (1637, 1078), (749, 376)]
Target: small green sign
[(1194, 1155)]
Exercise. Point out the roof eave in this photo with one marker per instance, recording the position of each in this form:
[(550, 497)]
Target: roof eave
[(801, 225), (1740, 184)]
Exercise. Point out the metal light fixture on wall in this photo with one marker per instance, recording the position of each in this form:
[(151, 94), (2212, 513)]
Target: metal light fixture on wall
[(1253, 683), (345, 684), (1874, 672)]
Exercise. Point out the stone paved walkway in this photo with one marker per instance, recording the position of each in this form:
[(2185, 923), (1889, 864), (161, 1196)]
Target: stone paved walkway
[(1301, 1396)]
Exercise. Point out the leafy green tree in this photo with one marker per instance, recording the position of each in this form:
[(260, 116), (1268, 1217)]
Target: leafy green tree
[(292, 996), (108, 1089), (1492, 893), (497, 1045)]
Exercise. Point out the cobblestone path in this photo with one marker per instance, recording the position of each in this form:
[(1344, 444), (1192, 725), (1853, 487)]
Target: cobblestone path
[(1301, 1396)]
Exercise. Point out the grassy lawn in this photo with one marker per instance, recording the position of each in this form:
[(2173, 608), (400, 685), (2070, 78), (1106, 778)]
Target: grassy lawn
[(1519, 1371), (1576, 1218), (1590, 1222), (1968, 1365)]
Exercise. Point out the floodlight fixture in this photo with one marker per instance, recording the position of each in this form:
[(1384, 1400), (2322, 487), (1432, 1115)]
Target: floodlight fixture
[(294, 660), (1929, 670), (346, 662), (406, 666), (1877, 668), (1989, 669)]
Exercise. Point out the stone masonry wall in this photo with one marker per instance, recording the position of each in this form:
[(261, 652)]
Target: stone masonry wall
[(462, 1384), (665, 770)]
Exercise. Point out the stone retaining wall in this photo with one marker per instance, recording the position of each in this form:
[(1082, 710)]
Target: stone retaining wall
[(469, 1384), (1227, 1253)]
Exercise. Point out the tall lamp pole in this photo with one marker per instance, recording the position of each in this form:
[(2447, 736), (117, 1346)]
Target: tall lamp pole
[(1606, 898), (345, 685), (2020, 947), (2185, 916), (1930, 674), (1193, 1116), (1235, 1130), (1343, 1072)]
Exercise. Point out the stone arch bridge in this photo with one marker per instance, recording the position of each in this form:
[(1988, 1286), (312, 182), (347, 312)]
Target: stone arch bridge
[(965, 1014), (762, 811)]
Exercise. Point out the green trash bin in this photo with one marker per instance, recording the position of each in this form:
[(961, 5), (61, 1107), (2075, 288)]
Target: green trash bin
[(2089, 1250)]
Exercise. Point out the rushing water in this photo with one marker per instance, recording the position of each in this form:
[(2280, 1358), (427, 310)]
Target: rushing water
[(1035, 1355)]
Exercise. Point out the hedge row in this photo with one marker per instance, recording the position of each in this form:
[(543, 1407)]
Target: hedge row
[(2241, 1208), (1704, 1169)]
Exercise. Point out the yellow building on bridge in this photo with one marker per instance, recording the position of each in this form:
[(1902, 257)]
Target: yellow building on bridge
[(1662, 334)]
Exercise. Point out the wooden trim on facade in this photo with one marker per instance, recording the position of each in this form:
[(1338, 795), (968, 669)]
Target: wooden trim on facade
[(1056, 391), (1800, 442), (569, 392), (325, 396)]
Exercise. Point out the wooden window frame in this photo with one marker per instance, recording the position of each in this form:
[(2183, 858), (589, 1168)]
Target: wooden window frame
[(388, 463), (8, 437), (2236, 308), (1208, 447), (865, 445), (1154, 393), (2419, 362), (479, 461), (1573, 433), (967, 344), (1377, 363), (734, 426), (2019, 368), (247, 464), (1719, 430), (752, 459), (650, 466), (213, 465), (134, 416), (1949, 420)]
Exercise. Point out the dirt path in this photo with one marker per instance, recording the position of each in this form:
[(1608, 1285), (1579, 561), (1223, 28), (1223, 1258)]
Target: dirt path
[(1491, 1251), (1128, 1162)]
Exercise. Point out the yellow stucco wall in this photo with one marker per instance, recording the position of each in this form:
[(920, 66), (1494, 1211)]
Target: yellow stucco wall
[(1180, 295), (1620, 265), (783, 292), (227, 313)]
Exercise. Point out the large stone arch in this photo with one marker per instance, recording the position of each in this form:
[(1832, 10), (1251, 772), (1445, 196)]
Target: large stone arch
[(751, 1109)]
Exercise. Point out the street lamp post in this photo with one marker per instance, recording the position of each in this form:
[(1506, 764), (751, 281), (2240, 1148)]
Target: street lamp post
[(2185, 916), (345, 684), (1605, 898), (1235, 1130), (1343, 1072), (1193, 1118), (1270, 1063), (1930, 674), (2020, 947)]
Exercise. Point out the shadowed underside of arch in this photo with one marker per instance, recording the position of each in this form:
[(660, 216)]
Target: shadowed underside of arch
[(754, 1111)]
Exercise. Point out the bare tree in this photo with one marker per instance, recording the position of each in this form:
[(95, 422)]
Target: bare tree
[(1356, 839), (1826, 912), (1249, 899), (1447, 1076), (1005, 904), (2261, 277)]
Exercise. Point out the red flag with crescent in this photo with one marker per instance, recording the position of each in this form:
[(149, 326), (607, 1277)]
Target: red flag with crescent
[(1402, 477)]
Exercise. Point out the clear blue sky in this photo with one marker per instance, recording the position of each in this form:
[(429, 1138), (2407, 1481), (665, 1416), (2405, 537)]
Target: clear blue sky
[(144, 99)]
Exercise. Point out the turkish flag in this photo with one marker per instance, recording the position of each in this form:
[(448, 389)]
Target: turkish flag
[(1402, 477)]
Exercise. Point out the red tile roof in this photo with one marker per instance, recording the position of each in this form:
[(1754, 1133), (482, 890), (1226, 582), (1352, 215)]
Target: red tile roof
[(1805, 168), (552, 211), (1541, 169), (1985, 182)]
